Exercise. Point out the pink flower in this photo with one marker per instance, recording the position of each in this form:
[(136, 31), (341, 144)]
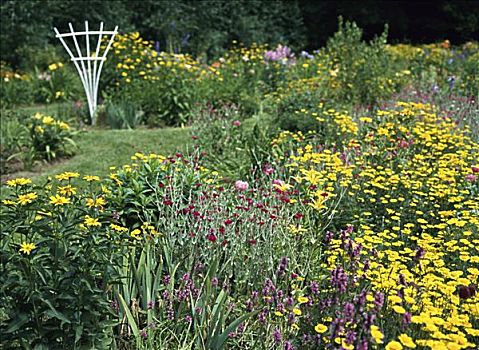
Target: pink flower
[(241, 185), (268, 170), (277, 182), (471, 178), (236, 123), (475, 169)]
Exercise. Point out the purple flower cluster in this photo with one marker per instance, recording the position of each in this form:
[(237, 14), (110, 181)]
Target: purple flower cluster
[(281, 54)]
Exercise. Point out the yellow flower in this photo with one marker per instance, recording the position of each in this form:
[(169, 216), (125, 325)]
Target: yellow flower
[(91, 178), (8, 202), (66, 176), (18, 182), (63, 125), (394, 345), (52, 66), (302, 300), (407, 341), (67, 190), (118, 228), (27, 198), (297, 311), (26, 248), (399, 309), (278, 313), (135, 234), (320, 328), (47, 120), (377, 334), (59, 200), (96, 203), (89, 221)]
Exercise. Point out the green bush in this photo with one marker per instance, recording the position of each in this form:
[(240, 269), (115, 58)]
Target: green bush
[(57, 270), (360, 72)]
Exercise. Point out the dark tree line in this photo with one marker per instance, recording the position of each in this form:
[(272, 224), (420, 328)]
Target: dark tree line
[(208, 26)]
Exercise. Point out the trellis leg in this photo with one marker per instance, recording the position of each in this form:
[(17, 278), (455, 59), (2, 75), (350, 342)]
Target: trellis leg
[(86, 85), (97, 51), (104, 58)]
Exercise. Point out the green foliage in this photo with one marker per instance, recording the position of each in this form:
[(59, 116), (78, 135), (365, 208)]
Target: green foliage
[(28, 139), (360, 71), (50, 137), (14, 145), (122, 115), (54, 293), (235, 147)]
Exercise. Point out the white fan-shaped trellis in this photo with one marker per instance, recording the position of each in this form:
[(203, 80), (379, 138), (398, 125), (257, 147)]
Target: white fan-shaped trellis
[(87, 65)]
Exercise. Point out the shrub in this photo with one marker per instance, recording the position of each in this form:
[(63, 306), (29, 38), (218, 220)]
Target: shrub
[(50, 137)]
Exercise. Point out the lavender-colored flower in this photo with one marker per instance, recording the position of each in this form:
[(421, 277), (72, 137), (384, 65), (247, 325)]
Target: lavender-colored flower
[(328, 237), (281, 54), (277, 336), (339, 279), (314, 286), (406, 319), (288, 345), (378, 300), (362, 345), (151, 305), (283, 265), (350, 337), (306, 54), (349, 311), (368, 320), (214, 281)]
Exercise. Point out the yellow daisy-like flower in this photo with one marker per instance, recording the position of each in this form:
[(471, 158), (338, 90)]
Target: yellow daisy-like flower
[(59, 200), (377, 335), (407, 341), (89, 221), (394, 345), (27, 198), (91, 178), (399, 309), (302, 300), (118, 228), (8, 202), (297, 311), (66, 176), (95, 202), (320, 328), (21, 181), (26, 248), (68, 190)]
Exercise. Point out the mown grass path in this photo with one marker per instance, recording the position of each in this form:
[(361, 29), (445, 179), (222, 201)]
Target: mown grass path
[(98, 150)]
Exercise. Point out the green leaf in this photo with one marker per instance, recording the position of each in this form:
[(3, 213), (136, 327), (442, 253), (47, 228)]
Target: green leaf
[(55, 313), (129, 316), (17, 322), (218, 342)]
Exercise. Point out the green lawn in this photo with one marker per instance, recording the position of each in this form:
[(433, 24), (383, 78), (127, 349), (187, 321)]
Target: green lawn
[(98, 150)]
